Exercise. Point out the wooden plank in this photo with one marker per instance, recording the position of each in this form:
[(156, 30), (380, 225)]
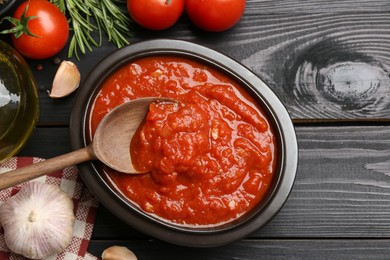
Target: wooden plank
[(316, 6), (257, 249), (108, 226), (47, 142), (341, 188), (342, 185), (321, 66), (328, 63)]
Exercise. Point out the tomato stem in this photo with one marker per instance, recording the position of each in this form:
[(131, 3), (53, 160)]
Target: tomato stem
[(168, 2), (20, 26)]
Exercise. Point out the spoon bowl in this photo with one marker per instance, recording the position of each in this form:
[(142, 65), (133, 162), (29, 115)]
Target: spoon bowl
[(111, 142), (111, 145)]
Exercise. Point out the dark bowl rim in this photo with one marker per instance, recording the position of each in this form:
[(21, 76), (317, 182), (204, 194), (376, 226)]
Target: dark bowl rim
[(180, 236)]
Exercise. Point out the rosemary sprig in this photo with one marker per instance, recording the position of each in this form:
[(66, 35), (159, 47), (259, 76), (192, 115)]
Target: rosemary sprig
[(89, 16)]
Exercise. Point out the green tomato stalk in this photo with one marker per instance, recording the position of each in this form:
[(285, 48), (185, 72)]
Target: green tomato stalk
[(19, 26)]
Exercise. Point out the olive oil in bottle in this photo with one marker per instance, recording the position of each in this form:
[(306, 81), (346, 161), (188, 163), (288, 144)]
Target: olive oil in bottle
[(19, 103)]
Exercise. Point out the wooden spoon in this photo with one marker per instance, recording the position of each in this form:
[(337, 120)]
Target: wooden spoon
[(111, 145)]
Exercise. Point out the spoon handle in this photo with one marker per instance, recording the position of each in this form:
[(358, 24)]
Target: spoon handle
[(14, 177)]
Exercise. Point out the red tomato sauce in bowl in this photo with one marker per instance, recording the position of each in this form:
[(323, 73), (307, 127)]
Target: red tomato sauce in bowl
[(210, 157)]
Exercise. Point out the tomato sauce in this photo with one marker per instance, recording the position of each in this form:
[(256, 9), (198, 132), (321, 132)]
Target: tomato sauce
[(210, 157)]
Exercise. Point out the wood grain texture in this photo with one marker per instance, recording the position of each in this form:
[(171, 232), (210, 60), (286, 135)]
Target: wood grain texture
[(326, 60), (363, 249), (341, 190), (342, 185), (47, 142), (322, 66), (316, 6)]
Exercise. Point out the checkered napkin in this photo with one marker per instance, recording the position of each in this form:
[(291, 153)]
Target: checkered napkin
[(85, 206)]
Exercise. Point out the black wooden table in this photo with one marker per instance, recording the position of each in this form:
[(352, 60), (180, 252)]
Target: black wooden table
[(329, 63)]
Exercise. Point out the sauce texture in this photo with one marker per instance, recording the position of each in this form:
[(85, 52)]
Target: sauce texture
[(210, 157)]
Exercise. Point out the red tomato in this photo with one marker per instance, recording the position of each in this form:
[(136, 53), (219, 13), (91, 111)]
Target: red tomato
[(51, 27), (215, 15), (155, 14)]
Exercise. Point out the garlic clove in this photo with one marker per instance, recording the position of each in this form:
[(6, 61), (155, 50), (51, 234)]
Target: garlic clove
[(66, 80), (118, 253), (38, 220)]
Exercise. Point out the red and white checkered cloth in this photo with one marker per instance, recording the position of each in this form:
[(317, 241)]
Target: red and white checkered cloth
[(85, 207)]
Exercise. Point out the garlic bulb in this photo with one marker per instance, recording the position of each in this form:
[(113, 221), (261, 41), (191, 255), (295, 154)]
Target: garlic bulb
[(66, 80), (38, 220), (118, 253)]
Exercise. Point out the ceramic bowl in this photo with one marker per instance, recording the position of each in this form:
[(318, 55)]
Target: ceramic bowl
[(111, 198)]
